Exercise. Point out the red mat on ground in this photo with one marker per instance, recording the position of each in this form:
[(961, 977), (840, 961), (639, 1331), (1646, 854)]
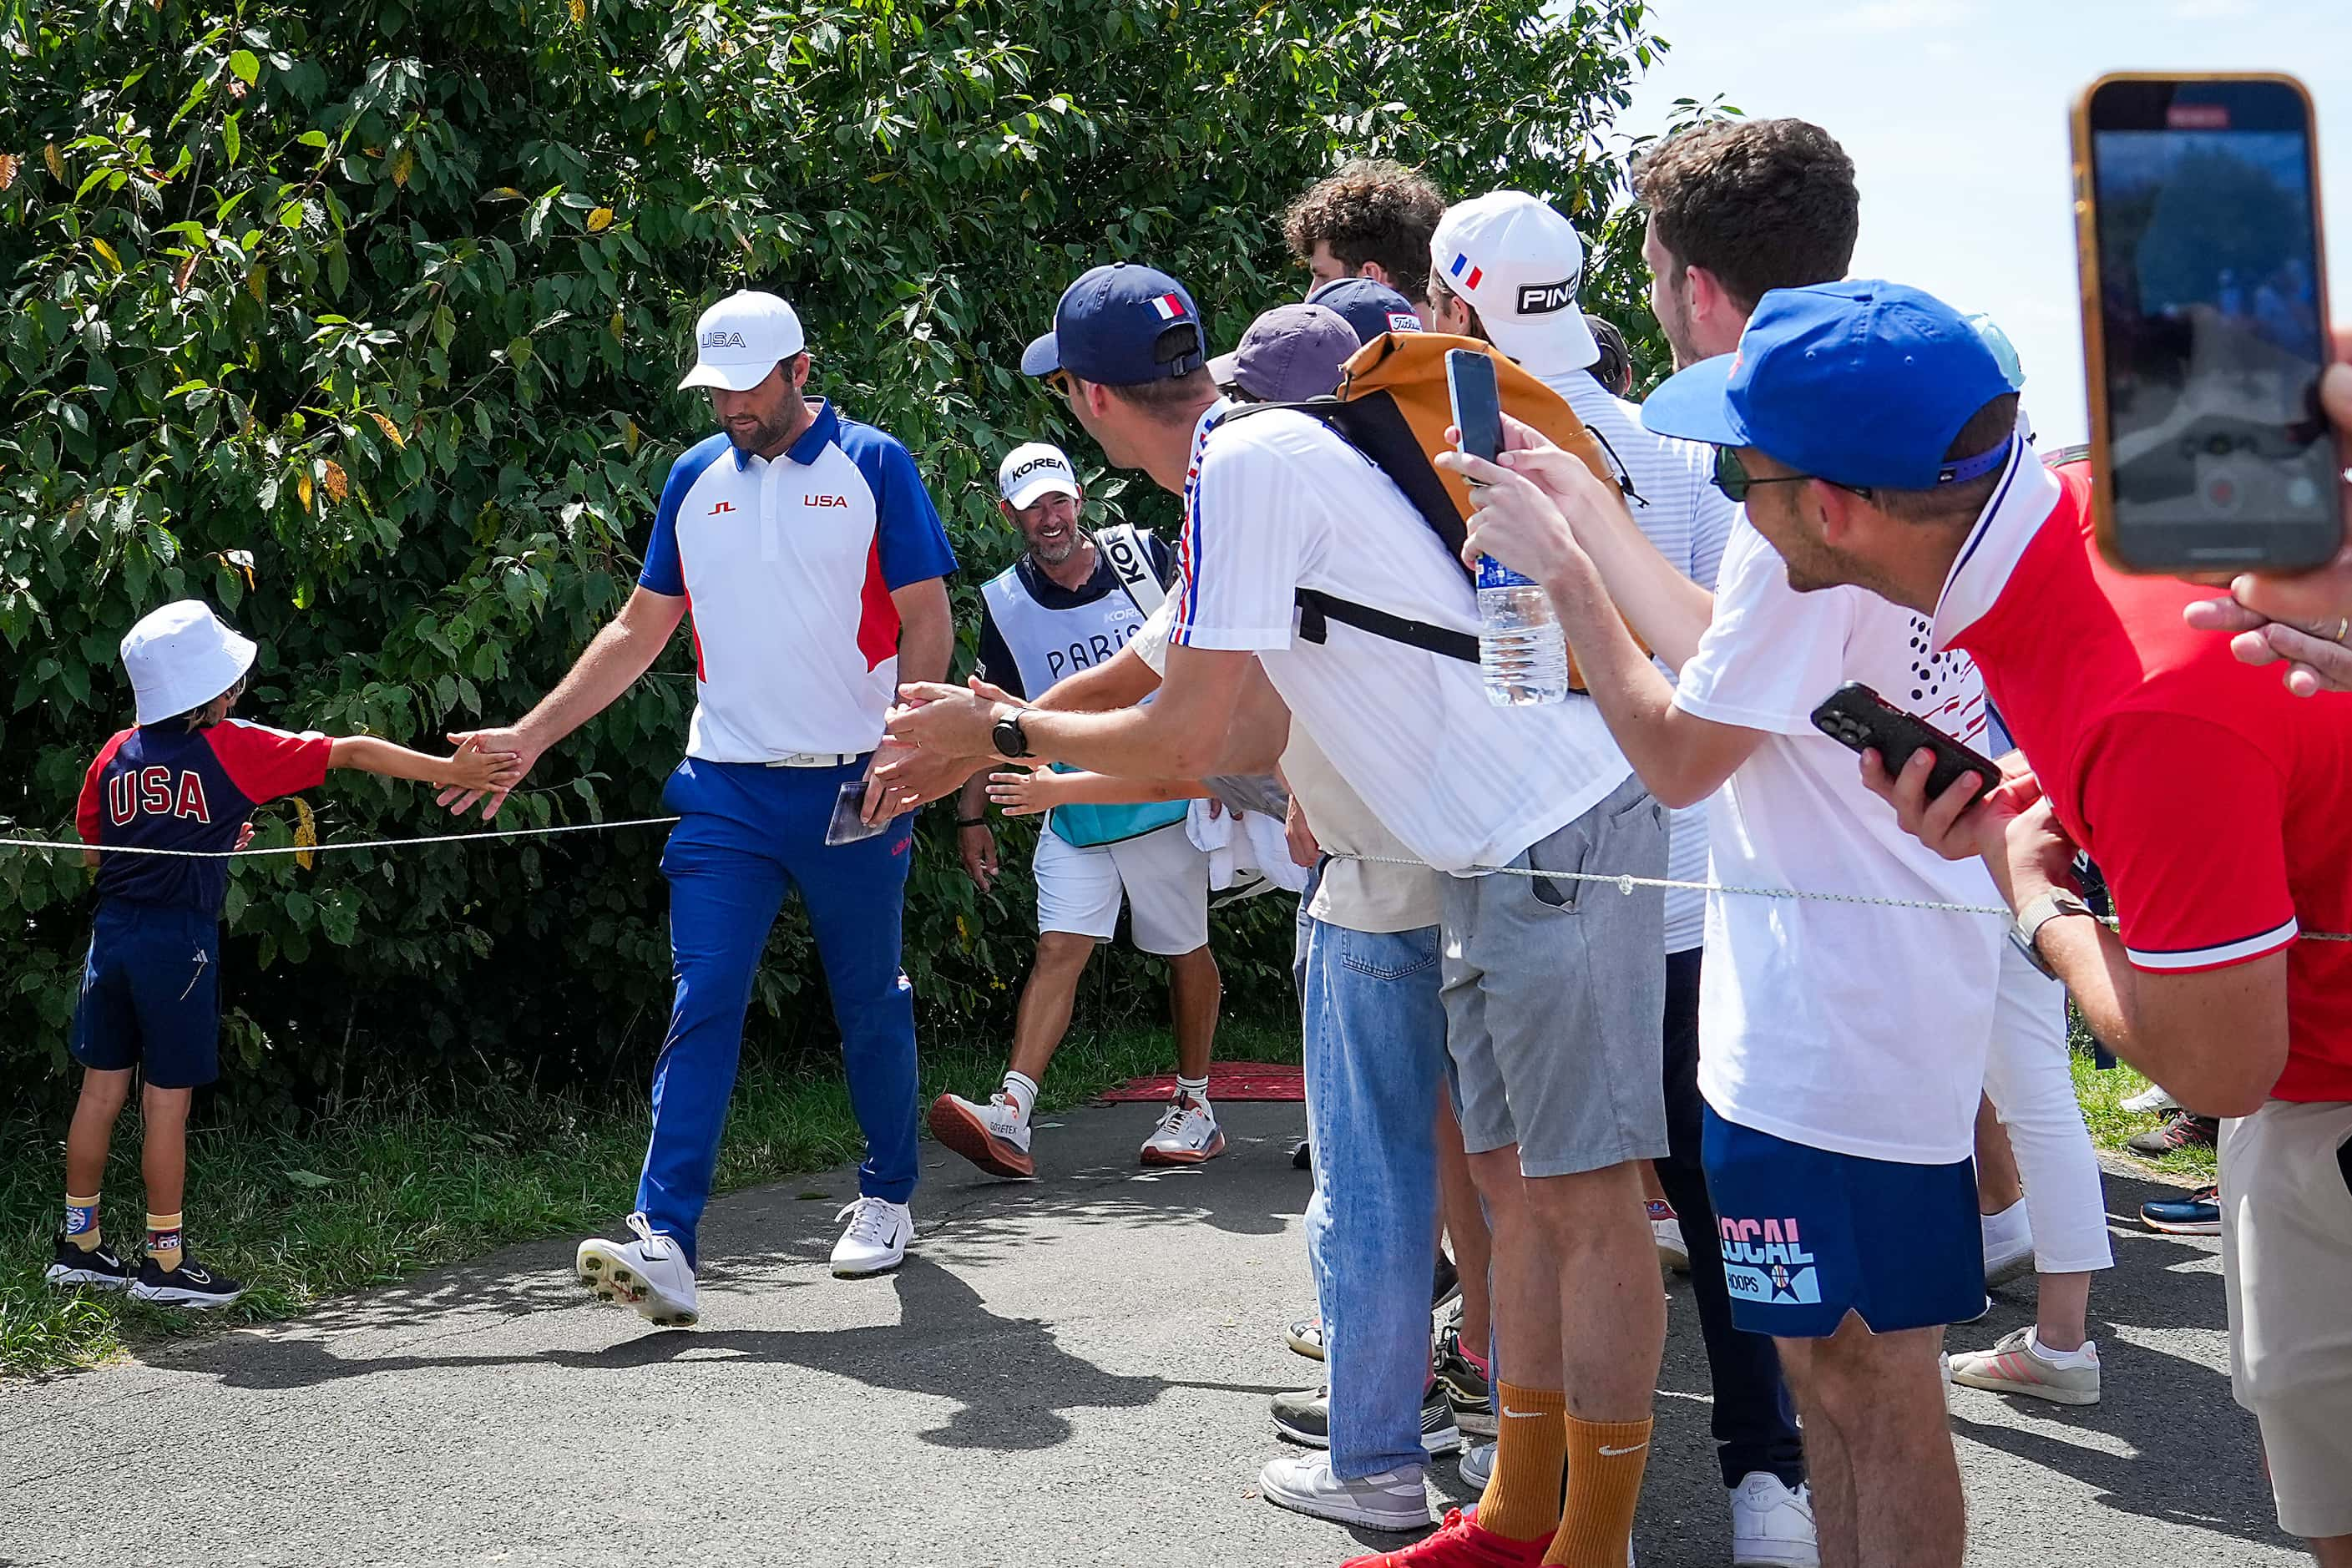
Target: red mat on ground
[(1227, 1081)]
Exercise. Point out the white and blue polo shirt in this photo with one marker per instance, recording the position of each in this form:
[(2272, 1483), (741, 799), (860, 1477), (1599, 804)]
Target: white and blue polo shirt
[(787, 568)]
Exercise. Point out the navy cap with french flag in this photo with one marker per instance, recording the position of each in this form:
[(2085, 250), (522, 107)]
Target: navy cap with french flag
[(1121, 325)]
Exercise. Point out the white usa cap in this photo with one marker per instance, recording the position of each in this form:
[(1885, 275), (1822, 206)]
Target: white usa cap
[(181, 658), (1521, 264), (1033, 469), (741, 339)]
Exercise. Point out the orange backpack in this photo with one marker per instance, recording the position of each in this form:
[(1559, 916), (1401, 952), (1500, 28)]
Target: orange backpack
[(1393, 406)]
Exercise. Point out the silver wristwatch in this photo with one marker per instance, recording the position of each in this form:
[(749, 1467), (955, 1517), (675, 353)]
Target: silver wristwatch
[(2038, 913)]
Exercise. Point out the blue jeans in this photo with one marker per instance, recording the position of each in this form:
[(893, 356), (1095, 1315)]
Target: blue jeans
[(1375, 1049), (749, 834)]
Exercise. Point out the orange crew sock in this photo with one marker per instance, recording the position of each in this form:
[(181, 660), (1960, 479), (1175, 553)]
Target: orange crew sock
[(1605, 1461), (1522, 1498)]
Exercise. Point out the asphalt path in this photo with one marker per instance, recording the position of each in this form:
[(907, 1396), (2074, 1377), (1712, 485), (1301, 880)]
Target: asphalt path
[(1069, 1371)]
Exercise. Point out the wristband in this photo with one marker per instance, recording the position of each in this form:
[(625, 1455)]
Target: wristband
[(972, 822)]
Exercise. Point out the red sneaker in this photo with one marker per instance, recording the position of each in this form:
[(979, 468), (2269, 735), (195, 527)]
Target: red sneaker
[(1460, 1543)]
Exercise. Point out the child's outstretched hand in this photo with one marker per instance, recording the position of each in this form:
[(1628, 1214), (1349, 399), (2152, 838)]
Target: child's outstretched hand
[(472, 768), (1026, 794)]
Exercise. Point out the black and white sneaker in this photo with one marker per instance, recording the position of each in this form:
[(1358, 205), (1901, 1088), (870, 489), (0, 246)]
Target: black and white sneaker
[(1304, 1417), (100, 1267), (190, 1285)]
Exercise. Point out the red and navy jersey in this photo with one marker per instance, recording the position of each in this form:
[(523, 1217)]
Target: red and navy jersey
[(162, 786)]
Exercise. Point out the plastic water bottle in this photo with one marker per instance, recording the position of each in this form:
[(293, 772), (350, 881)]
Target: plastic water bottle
[(1521, 651)]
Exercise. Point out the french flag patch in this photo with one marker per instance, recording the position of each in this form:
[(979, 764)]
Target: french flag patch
[(1462, 263), (1170, 306)]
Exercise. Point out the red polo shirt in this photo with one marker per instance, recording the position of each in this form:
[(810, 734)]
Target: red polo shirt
[(2214, 801)]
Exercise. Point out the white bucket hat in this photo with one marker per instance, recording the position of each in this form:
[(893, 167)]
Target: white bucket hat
[(181, 658)]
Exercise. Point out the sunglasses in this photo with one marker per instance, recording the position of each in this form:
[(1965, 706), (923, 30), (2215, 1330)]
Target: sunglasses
[(1057, 382), (1732, 478)]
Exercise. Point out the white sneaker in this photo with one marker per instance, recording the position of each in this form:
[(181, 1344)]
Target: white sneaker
[(1188, 1133), (650, 1274), (2008, 1238), (876, 1240), (991, 1136), (1303, 1483), (2154, 1097), (1772, 1527), (2019, 1364), (1667, 1227)]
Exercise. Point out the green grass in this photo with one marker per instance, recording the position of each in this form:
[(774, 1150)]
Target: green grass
[(2103, 1094), (386, 1189)]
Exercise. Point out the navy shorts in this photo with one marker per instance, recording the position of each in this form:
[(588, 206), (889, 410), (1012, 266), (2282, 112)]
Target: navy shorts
[(151, 994), (1808, 1236)]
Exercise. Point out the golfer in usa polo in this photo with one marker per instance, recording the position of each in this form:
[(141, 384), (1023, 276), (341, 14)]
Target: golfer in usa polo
[(812, 561)]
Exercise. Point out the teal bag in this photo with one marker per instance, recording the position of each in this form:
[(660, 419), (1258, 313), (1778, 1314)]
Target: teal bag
[(1091, 827)]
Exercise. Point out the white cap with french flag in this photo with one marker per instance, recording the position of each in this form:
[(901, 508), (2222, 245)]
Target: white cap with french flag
[(1520, 264)]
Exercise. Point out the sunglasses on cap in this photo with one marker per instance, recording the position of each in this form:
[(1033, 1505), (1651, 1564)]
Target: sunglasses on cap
[(1732, 478)]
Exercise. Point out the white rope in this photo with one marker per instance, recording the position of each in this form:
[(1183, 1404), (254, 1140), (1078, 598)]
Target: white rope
[(322, 849), (1626, 884)]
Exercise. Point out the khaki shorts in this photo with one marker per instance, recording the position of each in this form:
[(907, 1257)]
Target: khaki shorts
[(2286, 1259)]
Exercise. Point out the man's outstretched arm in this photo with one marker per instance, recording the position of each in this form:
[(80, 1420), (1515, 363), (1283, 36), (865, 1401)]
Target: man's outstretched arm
[(610, 665)]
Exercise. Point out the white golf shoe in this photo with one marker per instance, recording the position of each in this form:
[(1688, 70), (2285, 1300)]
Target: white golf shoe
[(875, 1240), (1187, 1134), (650, 1274)]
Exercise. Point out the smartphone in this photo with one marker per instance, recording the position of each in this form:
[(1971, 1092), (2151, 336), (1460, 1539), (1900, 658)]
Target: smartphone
[(1861, 720), (1478, 403), (2205, 324), (849, 824)]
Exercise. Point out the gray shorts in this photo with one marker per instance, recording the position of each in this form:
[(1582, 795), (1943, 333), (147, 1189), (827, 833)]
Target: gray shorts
[(1554, 997)]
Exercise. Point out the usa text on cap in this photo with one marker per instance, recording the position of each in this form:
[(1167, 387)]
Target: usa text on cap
[(1520, 263), (741, 339), (1033, 470), (1121, 325), (1862, 382)]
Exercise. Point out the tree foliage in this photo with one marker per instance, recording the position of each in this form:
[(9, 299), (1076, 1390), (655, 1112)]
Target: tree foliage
[(387, 299)]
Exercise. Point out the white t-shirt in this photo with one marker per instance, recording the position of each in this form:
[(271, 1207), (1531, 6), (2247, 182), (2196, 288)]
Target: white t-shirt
[(1675, 503), (1849, 1028), (1274, 502)]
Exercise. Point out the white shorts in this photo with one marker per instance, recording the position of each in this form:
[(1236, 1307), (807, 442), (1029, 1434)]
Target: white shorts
[(1164, 879)]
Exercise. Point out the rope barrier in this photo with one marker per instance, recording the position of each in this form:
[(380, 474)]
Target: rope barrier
[(322, 849), (1626, 884)]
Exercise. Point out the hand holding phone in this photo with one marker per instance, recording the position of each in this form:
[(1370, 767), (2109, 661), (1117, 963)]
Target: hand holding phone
[(1862, 720), (2205, 324)]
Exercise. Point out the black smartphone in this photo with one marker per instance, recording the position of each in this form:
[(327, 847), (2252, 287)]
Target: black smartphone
[(849, 824), (1861, 720), (1477, 403), (2205, 324)]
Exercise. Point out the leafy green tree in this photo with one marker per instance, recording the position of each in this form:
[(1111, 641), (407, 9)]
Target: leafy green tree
[(363, 319)]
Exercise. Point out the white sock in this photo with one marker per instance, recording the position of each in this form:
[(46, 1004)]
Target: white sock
[(2087, 1355), (1020, 1093), (1193, 1088), (2010, 1224)]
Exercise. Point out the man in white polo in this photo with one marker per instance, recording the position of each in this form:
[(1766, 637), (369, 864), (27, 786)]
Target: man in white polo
[(1069, 604), (811, 559)]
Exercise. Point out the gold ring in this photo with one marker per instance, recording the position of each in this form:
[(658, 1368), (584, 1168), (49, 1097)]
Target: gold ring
[(2343, 625)]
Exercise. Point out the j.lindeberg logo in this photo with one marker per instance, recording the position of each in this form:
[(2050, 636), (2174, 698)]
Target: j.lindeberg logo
[(1543, 299)]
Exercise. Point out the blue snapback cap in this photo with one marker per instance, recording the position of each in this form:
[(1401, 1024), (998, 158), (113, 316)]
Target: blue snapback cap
[(1862, 383), (1369, 307), (1108, 326)]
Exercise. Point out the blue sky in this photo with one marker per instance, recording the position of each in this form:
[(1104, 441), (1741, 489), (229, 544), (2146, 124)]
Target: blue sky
[(1955, 113)]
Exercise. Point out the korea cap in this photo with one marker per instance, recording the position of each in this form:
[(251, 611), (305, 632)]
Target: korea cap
[(1521, 264), (1862, 382), (1121, 325), (180, 657), (1370, 308), (1289, 354), (741, 339), (1034, 469)]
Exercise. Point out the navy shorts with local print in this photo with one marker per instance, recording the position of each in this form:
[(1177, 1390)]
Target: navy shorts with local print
[(1808, 1236)]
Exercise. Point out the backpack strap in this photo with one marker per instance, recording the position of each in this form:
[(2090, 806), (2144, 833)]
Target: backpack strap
[(1317, 607)]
